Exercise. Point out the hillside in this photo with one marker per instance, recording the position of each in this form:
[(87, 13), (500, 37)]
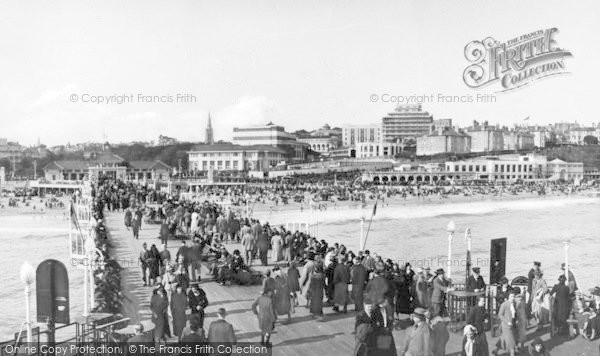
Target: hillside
[(589, 155)]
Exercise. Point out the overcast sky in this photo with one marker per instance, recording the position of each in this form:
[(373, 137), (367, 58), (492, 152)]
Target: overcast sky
[(300, 64)]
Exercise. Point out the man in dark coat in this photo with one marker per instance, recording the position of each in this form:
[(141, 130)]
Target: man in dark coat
[(438, 296), (359, 277), (475, 282), (329, 276), (341, 279), (220, 331)]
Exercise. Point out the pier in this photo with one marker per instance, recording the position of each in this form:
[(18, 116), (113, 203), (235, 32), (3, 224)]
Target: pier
[(303, 336)]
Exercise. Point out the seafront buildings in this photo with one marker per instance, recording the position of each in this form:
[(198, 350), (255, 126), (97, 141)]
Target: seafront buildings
[(271, 135), (236, 158), (406, 122)]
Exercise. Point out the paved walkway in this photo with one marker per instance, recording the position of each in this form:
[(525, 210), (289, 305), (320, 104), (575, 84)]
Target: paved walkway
[(304, 336)]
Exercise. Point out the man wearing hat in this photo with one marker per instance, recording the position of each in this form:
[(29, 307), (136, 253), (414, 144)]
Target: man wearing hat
[(478, 317), (571, 283), (441, 286), (418, 341), (475, 282)]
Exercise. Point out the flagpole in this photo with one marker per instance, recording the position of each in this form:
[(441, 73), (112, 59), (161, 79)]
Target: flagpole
[(369, 227)]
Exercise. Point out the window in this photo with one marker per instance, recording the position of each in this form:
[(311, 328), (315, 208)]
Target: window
[(455, 168), (495, 168), (519, 168), (477, 168), (227, 164), (464, 168), (470, 168), (484, 168)]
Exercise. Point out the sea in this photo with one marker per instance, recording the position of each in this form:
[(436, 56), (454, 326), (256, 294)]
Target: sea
[(536, 229), (32, 237)]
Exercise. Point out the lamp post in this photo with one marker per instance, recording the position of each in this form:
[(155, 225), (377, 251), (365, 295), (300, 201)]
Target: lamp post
[(468, 239), (27, 277), (567, 243), (362, 233), (450, 229), (88, 281)]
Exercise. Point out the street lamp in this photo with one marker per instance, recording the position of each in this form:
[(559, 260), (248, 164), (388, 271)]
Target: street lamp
[(567, 243), (450, 229), (89, 246), (27, 277)]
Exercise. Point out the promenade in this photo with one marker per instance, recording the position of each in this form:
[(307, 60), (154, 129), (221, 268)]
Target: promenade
[(304, 336)]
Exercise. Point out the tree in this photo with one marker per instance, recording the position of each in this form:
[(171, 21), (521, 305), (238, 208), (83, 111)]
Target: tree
[(590, 140)]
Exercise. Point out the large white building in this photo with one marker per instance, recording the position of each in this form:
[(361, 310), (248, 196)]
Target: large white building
[(406, 121), (351, 135), (374, 149), (485, 138), (502, 168), (558, 169), (576, 135), (443, 140), (517, 140), (228, 157), (271, 135)]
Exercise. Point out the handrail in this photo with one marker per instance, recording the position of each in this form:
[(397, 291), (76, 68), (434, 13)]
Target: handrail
[(112, 323)]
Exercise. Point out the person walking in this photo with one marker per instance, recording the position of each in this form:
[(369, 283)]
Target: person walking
[(341, 279), (419, 337), (179, 304), (282, 300), (316, 287), (144, 257), (264, 310), (159, 306), (507, 314), (220, 331)]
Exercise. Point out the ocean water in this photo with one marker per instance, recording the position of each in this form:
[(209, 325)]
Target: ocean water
[(33, 238), (535, 228)]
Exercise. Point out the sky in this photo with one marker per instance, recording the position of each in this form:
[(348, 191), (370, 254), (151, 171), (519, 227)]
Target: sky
[(299, 64)]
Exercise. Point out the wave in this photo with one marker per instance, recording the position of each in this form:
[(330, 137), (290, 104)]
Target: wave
[(414, 211)]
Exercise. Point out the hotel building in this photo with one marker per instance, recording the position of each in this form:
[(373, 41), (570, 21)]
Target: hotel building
[(407, 121), (271, 135), (228, 157)]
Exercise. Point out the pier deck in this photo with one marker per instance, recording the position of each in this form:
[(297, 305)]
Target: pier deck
[(304, 336)]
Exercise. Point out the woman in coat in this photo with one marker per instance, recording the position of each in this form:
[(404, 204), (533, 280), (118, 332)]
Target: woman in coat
[(521, 320), (562, 304), (315, 290), (128, 217), (179, 305), (341, 279), (159, 306), (153, 264), (263, 309), (282, 299), (540, 305)]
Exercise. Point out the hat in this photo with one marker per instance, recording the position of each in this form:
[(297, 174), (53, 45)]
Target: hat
[(469, 330), (536, 263), (515, 290), (476, 269), (562, 278), (439, 271), (419, 313)]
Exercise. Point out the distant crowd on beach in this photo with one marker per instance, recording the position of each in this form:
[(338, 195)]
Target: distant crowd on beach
[(314, 274)]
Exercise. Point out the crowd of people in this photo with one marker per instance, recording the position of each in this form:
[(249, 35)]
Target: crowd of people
[(323, 275)]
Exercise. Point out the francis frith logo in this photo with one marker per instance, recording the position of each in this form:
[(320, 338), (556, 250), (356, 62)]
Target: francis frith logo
[(514, 63)]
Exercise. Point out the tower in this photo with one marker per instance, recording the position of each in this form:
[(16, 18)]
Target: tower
[(209, 132)]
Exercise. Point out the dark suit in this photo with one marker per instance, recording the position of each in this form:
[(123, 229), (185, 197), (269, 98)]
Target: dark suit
[(359, 276), (221, 331), (473, 283)]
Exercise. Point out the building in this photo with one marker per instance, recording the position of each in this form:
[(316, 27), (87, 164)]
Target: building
[(576, 135), (106, 164), (441, 124), (11, 150), (501, 168), (443, 140), (373, 149), (407, 121), (541, 137), (485, 138), (560, 170), (231, 157), (351, 135), (321, 144), (517, 140), (166, 141), (209, 137), (271, 135)]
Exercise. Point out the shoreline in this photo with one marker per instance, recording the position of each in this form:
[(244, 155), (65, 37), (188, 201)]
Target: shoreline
[(416, 208)]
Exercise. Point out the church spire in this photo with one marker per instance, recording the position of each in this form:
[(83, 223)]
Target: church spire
[(209, 140)]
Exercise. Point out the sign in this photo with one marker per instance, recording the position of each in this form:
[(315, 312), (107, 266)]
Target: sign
[(52, 292), (514, 63)]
